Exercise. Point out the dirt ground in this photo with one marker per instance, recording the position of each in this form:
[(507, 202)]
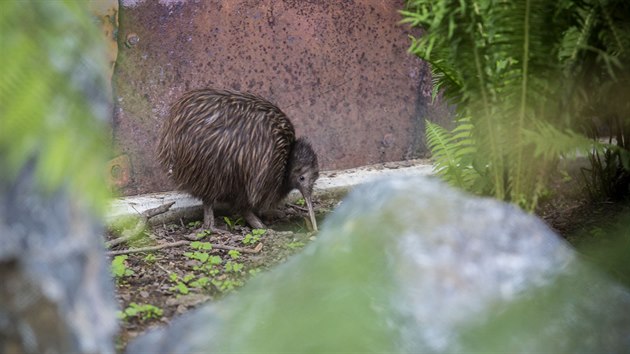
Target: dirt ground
[(153, 287)]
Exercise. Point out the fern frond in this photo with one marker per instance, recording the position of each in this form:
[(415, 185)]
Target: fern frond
[(439, 142), (504, 65), (550, 143), (453, 153)]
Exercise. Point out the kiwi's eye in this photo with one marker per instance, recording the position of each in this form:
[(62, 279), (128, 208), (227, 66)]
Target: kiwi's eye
[(301, 178)]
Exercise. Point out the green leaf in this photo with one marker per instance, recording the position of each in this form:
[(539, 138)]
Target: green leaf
[(234, 254), (201, 245), (182, 288), (215, 260)]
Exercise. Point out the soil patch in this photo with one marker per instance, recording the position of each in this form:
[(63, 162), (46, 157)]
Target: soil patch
[(154, 287)]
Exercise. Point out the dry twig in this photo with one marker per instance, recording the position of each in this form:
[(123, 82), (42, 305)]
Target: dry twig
[(257, 249), (295, 206), (148, 249)]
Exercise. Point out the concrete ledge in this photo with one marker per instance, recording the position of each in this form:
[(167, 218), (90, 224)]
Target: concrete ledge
[(331, 184)]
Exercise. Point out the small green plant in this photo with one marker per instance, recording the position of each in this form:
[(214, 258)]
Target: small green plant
[(119, 267), (215, 260), (199, 256), (209, 268), (300, 202), (182, 288), (143, 312), (207, 246), (209, 262), (194, 224), (150, 258), (252, 272), (295, 244), (203, 234), (234, 254), (180, 285), (200, 283), (233, 267), (231, 224), (225, 285), (253, 237)]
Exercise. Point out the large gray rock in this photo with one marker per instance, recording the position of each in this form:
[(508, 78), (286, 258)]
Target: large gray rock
[(410, 265)]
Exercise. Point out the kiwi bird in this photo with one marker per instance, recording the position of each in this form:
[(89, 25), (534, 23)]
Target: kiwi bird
[(238, 148)]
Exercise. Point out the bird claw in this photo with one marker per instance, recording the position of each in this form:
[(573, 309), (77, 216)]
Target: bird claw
[(253, 220)]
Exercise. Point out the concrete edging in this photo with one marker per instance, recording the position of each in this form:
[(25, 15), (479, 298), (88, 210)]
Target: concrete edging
[(330, 184)]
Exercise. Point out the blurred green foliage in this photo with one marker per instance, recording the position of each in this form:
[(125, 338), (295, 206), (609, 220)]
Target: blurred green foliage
[(604, 239), (54, 99), (531, 81)]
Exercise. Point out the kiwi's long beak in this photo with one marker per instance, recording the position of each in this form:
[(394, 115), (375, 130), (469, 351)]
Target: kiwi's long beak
[(311, 212)]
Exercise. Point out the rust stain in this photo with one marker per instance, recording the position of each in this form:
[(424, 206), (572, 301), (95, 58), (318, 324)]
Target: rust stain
[(118, 172)]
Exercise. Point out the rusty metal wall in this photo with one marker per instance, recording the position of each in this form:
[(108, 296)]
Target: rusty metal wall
[(339, 69)]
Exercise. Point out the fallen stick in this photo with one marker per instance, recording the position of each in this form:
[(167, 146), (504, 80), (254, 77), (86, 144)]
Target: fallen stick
[(257, 249), (157, 211), (148, 249), (295, 206), (242, 250)]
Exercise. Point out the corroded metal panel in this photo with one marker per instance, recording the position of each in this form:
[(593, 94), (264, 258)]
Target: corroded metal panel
[(339, 69)]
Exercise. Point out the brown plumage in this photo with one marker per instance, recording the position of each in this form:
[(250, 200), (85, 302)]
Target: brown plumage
[(227, 146)]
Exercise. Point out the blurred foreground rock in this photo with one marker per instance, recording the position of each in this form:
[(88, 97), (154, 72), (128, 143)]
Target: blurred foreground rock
[(56, 292), (411, 265)]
